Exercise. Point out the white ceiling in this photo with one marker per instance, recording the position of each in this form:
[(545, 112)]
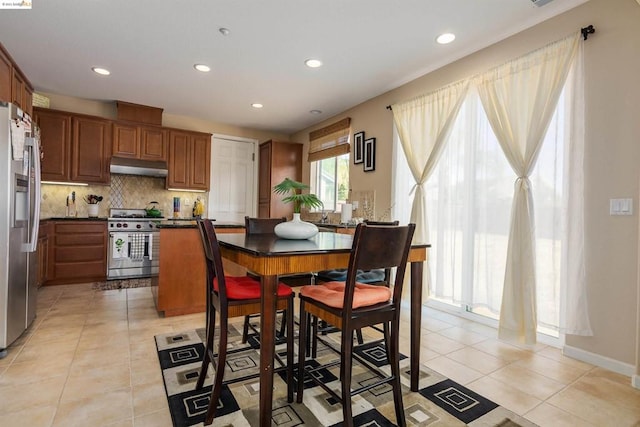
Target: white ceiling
[(150, 46)]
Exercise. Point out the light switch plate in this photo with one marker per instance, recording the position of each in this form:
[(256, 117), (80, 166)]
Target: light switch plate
[(621, 207)]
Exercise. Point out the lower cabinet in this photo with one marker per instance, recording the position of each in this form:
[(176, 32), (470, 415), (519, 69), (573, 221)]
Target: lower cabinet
[(77, 251), (179, 287), (43, 253)]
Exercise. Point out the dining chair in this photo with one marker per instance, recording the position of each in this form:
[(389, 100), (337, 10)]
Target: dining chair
[(375, 276), (350, 305), (233, 297), (260, 226)]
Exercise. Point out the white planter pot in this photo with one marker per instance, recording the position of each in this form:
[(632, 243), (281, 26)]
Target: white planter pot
[(92, 210), (296, 229)]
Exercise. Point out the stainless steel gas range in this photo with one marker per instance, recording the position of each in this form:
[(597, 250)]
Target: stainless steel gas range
[(134, 242)]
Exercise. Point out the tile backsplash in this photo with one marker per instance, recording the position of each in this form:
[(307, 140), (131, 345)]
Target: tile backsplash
[(125, 191)]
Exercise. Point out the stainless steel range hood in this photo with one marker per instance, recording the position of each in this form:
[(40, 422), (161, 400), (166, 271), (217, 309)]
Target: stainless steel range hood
[(125, 166)]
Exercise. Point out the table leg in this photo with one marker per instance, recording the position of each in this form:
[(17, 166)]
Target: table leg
[(267, 345), (416, 321)]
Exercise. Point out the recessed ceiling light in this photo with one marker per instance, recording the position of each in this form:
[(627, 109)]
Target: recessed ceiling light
[(313, 63), (446, 38), (315, 112), (224, 31), (257, 105), (101, 71), (202, 67)]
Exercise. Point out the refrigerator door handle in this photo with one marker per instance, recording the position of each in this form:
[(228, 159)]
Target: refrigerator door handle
[(34, 186)]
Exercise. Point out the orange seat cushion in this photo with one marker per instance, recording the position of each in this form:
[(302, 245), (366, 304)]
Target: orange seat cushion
[(244, 287), (332, 294)]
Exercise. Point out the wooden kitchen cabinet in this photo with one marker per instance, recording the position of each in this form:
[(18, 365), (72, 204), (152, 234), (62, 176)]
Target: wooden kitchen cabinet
[(6, 75), (179, 287), (189, 160), (55, 143), (78, 250), (14, 86), (75, 148), (43, 250), (277, 161), (139, 142), (90, 150)]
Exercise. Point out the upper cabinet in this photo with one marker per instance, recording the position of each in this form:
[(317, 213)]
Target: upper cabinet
[(278, 160), (189, 160), (14, 86), (90, 150), (55, 142), (75, 148), (140, 142)]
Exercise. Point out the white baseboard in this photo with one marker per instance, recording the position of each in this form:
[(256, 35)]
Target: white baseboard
[(601, 361), (635, 380)]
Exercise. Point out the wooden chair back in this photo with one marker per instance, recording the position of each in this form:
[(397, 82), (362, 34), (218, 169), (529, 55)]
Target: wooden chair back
[(213, 259), (369, 222), (378, 247), (261, 225)]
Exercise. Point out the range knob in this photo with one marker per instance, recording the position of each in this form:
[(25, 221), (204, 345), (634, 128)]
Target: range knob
[(138, 226), (118, 225), (125, 225)]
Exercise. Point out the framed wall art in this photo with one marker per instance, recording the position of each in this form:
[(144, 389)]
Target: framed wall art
[(370, 155), (358, 148)]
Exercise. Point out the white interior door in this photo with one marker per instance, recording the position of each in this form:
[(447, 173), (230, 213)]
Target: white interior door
[(233, 178)]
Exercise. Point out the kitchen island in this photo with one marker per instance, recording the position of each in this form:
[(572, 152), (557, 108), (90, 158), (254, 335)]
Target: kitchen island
[(179, 287)]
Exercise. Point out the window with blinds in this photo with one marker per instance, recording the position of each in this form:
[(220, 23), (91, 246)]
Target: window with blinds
[(330, 141)]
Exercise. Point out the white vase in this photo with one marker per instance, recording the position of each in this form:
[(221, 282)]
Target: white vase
[(296, 229), (93, 210)]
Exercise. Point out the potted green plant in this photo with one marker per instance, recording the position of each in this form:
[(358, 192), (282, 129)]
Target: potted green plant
[(296, 228)]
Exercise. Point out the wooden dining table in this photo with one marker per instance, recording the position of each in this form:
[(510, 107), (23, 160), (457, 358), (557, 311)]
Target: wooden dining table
[(269, 257)]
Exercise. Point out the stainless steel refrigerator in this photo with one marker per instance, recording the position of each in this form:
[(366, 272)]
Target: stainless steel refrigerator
[(19, 218)]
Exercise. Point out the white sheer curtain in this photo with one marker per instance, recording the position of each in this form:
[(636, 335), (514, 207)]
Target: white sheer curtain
[(423, 125), (519, 99), (574, 305)]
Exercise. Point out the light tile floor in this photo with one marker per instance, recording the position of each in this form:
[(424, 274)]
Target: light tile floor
[(89, 359)]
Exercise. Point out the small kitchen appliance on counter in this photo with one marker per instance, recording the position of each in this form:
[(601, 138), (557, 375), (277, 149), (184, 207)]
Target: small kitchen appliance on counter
[(134, 243)]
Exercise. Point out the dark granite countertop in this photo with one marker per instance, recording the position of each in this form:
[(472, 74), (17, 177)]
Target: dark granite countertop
[(74, 218), (191, 223), (328, 225)]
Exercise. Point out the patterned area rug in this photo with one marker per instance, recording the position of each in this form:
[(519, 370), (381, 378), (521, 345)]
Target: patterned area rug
[(121, 284), (440, 401)]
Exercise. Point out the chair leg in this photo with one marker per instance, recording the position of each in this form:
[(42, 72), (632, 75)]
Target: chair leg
[(217, 382), (359, 336), (395, 371), (302, 344), (283, 323), (245, 329), (289, 319), (308, 331), (387, 340), (208, 347), (346, 365), (314, 337)]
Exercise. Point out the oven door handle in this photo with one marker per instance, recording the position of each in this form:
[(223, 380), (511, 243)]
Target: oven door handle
[(150, 246)]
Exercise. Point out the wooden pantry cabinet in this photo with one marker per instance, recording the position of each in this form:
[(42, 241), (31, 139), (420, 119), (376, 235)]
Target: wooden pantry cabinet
[(189, 160), (277, 161), (75, 147), (140, 142)]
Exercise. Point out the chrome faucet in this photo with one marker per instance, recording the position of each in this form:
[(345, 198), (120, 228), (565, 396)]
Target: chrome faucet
[(324, 216)]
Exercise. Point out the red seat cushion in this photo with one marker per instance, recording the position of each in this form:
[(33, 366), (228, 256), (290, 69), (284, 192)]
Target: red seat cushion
[(332, 294), (244, 287)]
